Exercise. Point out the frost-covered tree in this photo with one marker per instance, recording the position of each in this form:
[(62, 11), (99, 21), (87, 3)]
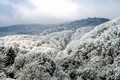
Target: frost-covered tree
[(83, 54)]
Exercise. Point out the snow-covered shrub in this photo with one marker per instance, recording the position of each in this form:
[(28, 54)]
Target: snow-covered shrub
[(34, 71), (42, 69), (80, 32)]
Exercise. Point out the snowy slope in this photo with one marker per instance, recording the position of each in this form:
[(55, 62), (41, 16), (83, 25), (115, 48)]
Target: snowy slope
[(87, 53), (52, 42), (96, 55)]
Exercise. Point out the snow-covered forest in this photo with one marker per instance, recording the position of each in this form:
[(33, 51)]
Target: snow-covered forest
[(74, 51)]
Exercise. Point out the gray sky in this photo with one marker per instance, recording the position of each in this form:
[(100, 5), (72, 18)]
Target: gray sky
[(55, 11)]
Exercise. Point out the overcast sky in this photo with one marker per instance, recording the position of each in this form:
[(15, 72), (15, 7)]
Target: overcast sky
[(55, 11)]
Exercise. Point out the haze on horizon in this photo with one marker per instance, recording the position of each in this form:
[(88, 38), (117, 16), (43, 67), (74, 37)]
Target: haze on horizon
[(55, 11)]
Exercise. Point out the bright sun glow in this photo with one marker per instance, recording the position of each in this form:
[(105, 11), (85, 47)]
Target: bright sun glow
[(59, 8)]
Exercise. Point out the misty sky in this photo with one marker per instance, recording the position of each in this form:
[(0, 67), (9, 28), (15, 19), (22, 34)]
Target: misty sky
[(55, 11)]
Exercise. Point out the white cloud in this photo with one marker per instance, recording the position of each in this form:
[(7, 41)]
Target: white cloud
[(55, 11), (46, 11), (61, 8)]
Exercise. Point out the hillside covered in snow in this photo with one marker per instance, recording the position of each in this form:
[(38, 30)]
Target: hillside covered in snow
[(81, 53)]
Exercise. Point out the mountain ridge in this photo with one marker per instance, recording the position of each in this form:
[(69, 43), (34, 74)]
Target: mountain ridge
[(38, 28)]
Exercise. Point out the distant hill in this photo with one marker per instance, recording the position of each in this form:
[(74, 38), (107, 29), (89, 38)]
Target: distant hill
[(23, 29), (77, 24), (38, 28)]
